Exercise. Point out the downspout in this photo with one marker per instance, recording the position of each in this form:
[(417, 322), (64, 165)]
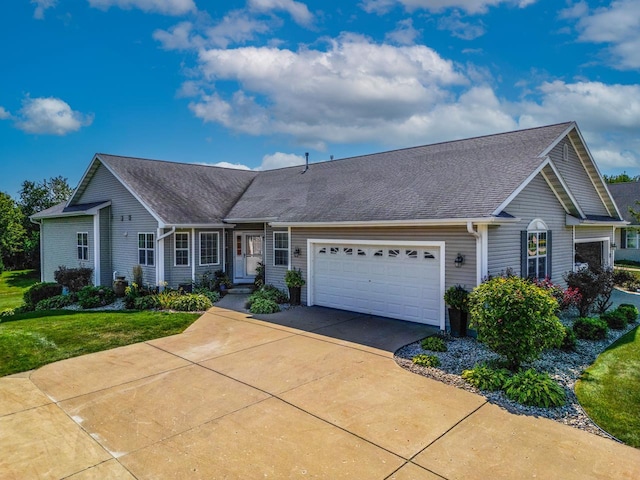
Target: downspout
[(573, 248), (224, 251), (289, 247), (612, 246), (160, 256), (193, 255), (40, 247), (479, 256), (97, 271)]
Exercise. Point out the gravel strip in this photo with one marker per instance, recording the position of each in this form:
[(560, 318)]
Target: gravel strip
[(564, 367)]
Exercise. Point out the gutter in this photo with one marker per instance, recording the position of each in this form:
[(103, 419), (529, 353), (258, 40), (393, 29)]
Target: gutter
[(401, 223)]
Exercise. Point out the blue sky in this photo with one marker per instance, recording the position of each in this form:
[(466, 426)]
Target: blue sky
[(256, 83)]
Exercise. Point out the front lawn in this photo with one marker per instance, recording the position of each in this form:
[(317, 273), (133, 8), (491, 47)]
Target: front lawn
[(13, 285), (609, 390), (30, 340)]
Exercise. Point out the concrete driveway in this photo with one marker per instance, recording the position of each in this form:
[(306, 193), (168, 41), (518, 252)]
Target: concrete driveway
[(313, 393)]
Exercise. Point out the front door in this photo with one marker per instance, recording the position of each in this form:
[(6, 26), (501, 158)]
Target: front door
[(248, 247)]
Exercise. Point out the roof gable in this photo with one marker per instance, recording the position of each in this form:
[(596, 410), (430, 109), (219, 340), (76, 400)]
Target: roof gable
[(626, 196), (174, 193)]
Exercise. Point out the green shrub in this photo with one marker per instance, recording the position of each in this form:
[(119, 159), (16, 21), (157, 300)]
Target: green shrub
[(529, 387), (92, 297), (148, 302), (40, 291), (263, 306), (589, 328), (75, 279), (457, 297), (7, 313), (629, 311), (484, 377), (268, 292), (426, 360), (569, 342), (615, 319), (191, 302), (515, 318), (293, 278), (57, 302), (435, 344), (164, 300), (211, 295)]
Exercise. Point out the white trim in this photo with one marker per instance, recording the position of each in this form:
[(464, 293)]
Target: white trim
[(400, 223), (483, 230), (224, 251), (155, 256), (193, 255), (242, 234), (83, 246), (573, 248), (217, 234), (566, 188), (175, 249), (273, 237), (566, 132), (311, 253), (564, 206), (160, 237), (607, 247), (289, 247), (96, 250), (521, 187)]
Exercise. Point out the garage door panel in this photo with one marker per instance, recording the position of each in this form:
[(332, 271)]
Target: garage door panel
[(399, 282)]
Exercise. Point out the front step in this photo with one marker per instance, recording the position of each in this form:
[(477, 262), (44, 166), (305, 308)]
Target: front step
[(240, 290)]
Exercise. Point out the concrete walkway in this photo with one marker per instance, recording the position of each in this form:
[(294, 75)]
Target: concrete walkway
[(310, 393)]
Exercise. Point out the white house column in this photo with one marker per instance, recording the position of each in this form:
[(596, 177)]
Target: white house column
[(160, 259), (96, 248), (193, 255)]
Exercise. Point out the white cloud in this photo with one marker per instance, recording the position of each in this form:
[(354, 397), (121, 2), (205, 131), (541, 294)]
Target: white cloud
[(50, 116), (577, 10), (41, 6), (4, 114), (280, 160), (353, 79), (298, 10), (617, 25), (236, 166), (236, 27), (469, 6), (404, 34), (460, 28), (164, 7)]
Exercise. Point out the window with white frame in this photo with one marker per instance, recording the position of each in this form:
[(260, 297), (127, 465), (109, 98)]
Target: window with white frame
[(281, 248), (83, 246), (182, 249), (146, 249), (632, 238), (209, 248), (537, 254)]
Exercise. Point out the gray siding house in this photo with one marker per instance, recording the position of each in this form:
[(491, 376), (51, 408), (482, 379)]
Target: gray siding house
[(383, 234)]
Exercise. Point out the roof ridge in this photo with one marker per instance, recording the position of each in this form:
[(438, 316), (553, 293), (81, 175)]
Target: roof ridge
[(100, 154), (430, 144)]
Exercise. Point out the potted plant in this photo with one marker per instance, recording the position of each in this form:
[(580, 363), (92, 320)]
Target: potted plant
[(119, 286), (456, 297), (295, 282)]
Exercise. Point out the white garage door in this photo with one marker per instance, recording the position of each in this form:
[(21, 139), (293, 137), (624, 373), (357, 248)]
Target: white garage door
[(387, 280)]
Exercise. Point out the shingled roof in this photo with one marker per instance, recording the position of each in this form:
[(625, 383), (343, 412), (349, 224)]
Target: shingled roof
[(467, 178), (626, 195), (178, 193)]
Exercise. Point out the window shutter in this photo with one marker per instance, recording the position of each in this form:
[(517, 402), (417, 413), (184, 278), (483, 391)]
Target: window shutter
[(549, 252), (523, 254), (623, 238)]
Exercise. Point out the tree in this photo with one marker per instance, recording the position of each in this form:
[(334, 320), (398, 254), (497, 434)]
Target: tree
[(621, 178), (12, 232), (35, 197)]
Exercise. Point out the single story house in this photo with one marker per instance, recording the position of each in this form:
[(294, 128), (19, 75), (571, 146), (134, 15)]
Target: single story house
[(627, 196), (383, 234)]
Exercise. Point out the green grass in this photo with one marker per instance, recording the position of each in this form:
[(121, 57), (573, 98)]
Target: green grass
[(12, 286), (34, 339), (609, 390)]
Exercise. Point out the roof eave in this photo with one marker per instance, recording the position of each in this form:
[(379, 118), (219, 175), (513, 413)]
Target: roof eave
[(79, 213), (402, 223)]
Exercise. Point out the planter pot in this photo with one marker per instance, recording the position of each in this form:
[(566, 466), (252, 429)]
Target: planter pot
[(294, 295), (458, 322), (119, 286)]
